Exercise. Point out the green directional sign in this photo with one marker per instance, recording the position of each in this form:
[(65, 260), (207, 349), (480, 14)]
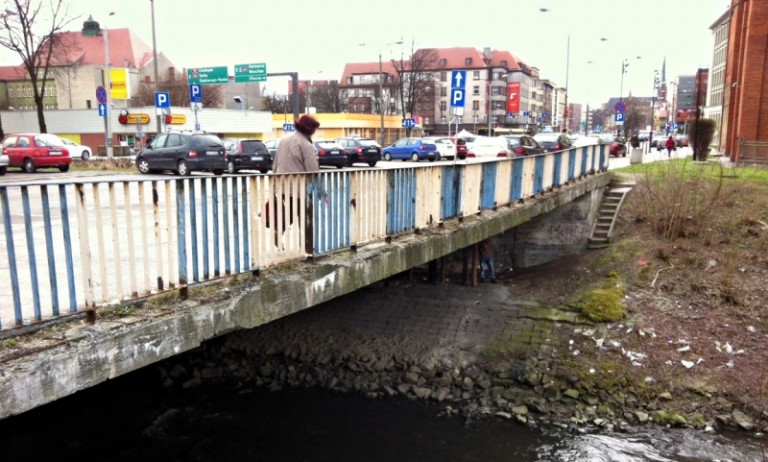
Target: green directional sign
[(245, 73), (208, 75)]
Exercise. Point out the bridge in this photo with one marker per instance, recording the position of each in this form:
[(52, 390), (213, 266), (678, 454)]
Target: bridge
[(104, 277)]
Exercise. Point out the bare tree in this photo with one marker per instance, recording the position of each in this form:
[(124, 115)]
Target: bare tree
[(213, 96), (32, 32), (416, 80), (325, 97), (276, 104)]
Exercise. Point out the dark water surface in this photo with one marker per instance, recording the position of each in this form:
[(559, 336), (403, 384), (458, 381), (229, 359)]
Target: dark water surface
[(134, 419)]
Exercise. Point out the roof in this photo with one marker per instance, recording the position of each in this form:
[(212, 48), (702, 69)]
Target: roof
[(13, 73), (125, 49), (455, 58)]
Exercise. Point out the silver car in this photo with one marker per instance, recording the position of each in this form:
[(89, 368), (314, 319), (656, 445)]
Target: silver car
[(4, 161)]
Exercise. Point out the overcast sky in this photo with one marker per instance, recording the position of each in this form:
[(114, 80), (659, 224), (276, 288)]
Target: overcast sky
[(316, 38)]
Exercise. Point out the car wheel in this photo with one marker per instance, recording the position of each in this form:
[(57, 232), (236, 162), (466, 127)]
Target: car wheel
[(387, 156), (415, 157), (64, 168), (182, 169), (85, 155), (29, 166), (263, 171), (339, 166), (142, 165), (371, 164), (3, 170), (218, 171), (231, 167)]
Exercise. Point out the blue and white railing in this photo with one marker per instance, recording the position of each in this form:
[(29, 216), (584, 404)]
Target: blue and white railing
[(75, 246)]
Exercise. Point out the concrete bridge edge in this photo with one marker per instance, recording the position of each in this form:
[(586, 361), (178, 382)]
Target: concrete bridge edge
[(86, 355)]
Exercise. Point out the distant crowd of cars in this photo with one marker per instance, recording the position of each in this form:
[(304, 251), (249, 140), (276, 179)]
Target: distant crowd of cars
[(185, 152)]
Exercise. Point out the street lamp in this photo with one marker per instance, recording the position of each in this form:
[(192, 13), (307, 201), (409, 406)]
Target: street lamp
[(381, 91), (108, 83), (653, 104), (154, 60)]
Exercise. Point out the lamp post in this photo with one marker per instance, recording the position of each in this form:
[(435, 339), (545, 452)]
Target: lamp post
[(154, 61), (381, 92), (108, 83), (653, 105)]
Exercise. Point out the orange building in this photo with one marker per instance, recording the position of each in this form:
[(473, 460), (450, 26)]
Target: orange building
[(746, 77)]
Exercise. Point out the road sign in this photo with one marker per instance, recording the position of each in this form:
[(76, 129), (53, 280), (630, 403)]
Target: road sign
[(289, 127), (457, 97), (195, 93), (619, 118), (208, 75), (408, 123), (620, 106), (162, 99), (102, 109), (245, 73), (196, 106), (101, 94), (458, 79)]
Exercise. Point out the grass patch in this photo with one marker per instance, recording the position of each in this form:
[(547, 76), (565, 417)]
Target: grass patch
[(604, 303)]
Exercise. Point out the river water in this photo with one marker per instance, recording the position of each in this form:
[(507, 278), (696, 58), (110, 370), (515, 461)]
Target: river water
[(133, 418)]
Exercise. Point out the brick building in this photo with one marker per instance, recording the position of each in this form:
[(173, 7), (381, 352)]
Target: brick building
[(746, 101)]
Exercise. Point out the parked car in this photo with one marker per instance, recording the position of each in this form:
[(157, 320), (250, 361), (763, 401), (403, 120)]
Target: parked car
[(461, 148), (552, 142), (618, 147), (445, 146), (330, 153), (31, 151), (414, 149), (76, 151), (183, 153), (272, 147), (681, 140), (524, 145), (495, 146), (247, 154), (362, 150)]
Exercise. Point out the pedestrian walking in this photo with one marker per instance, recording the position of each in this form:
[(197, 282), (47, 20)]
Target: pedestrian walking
[(487, 270), (670, 145), (295, 154)]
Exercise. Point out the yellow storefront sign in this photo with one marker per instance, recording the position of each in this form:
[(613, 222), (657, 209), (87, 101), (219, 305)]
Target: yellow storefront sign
[(178, 119), (141, 119), (118, 79)]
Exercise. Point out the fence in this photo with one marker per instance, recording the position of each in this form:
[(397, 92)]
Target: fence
[(77, 246)]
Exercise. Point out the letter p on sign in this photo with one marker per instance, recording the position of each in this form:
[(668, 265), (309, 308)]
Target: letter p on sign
[(162, 99)]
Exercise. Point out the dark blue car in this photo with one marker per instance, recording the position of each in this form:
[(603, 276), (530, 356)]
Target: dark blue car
[(414, 149)]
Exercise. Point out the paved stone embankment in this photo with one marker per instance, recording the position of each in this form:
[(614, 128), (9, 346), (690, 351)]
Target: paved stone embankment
[(474, 350)]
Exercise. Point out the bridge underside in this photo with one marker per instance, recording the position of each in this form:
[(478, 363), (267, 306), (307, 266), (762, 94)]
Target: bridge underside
[(61, 360)]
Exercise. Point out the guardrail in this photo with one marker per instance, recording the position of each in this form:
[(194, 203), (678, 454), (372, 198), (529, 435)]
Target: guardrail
[(73, 247)]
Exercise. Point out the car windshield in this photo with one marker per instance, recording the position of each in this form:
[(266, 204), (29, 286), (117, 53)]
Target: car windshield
[(326, 144), (208, 141), (253, 146), (46, 139), (546, 137), (368, 143)]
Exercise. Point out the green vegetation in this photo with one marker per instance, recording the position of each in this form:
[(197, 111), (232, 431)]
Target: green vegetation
[(603, 303), (8, 343), (113, 312)]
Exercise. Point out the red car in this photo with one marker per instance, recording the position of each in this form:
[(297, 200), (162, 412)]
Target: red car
[(31, 151), (618, 147)]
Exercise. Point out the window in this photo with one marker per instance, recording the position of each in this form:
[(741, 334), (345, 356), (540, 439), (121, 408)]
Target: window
[(443, 91), (476, 75), (442, 62), (476, 90), (475, 105), (467, 61), (443, 106), (443, 77), (443, 120)]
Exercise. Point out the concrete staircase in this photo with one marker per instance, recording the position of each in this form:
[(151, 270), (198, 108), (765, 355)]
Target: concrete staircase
[(606, 217)]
